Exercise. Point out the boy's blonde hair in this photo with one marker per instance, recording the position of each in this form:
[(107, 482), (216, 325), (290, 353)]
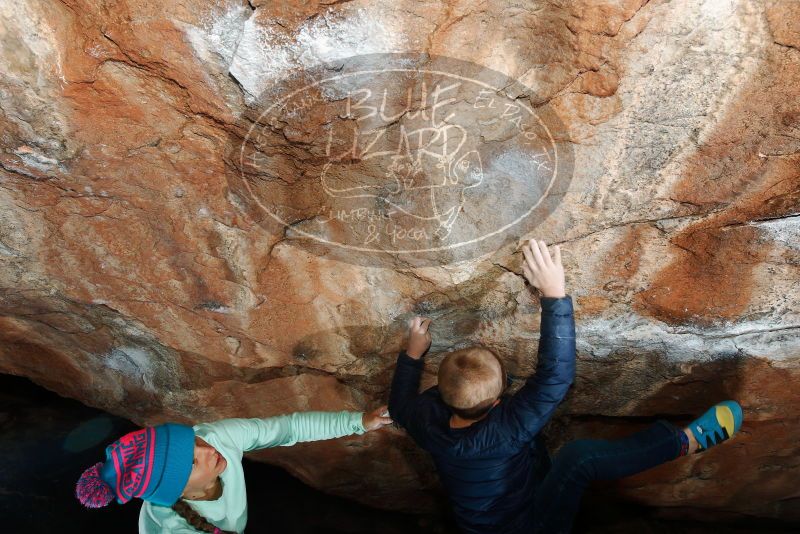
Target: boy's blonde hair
[(470, 380)]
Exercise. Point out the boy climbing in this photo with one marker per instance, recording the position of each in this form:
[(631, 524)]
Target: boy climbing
[(485, 447)]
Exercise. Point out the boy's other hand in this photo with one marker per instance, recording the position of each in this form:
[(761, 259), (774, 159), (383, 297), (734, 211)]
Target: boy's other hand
[(419, 338), (543, 272), (376, 419)]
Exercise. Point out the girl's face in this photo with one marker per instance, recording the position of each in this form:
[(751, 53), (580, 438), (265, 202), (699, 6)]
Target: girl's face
[(208, 464)]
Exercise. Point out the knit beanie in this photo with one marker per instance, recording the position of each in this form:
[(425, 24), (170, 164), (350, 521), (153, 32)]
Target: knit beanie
[(152, 463)]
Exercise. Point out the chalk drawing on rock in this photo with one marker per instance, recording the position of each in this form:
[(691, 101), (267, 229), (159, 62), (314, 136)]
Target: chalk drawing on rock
[(438, 196), (388, 156)]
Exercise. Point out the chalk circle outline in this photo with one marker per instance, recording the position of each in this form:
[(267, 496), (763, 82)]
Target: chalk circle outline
[(422, 71)]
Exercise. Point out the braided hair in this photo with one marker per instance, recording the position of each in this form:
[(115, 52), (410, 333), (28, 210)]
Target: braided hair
[(195, 519)]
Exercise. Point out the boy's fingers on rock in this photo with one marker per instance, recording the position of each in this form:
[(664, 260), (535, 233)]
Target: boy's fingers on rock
[(529, 261), (537, 255), (527, 271), (557, 254), (533, 248), (545, 254), (425, 324)]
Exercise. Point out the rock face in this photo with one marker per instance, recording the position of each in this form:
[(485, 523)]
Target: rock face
[(161, 261)]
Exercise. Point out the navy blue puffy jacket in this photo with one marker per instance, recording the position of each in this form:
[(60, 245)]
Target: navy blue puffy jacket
[(490, 469)]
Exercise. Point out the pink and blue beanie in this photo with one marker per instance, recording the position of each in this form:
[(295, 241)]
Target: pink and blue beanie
[(153, 464)]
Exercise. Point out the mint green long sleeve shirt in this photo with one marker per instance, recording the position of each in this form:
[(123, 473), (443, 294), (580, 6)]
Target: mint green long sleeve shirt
[(232, 438)]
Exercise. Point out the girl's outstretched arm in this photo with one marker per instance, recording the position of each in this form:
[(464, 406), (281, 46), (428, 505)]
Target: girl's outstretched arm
[(286, 430)]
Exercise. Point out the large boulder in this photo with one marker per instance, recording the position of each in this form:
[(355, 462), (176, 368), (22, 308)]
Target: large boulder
[(172, 248)]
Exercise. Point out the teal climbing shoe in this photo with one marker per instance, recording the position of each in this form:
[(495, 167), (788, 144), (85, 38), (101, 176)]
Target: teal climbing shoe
[(719, 423)]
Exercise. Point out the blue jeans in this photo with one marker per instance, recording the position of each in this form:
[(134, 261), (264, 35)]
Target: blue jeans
[(579, 462)]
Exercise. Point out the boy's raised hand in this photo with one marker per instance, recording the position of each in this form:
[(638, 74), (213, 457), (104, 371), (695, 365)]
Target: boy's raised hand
[(543, 272), (377, 418), (419, 338)]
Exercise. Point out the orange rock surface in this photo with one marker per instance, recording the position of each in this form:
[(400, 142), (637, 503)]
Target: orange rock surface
[(139, 276)]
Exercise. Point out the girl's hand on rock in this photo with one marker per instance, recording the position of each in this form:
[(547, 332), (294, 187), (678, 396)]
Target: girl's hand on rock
[(376, 418)]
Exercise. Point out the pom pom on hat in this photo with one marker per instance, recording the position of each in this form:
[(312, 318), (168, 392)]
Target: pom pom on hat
[(92, 490)]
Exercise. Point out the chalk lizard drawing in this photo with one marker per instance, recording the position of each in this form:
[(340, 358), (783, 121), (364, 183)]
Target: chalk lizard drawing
[(426, 183)]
